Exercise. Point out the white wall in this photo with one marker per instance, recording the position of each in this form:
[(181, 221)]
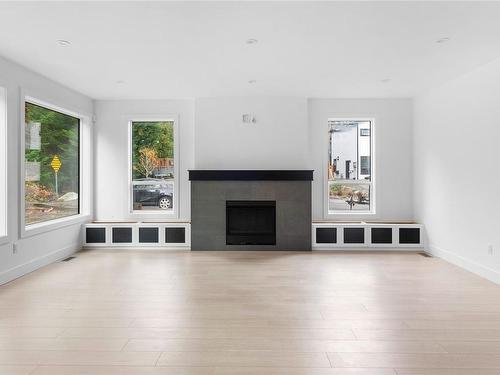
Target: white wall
[(112, 148), (289, 133), (3, 163), (393, 152), (278, 139), (457, 179), (37, 250)]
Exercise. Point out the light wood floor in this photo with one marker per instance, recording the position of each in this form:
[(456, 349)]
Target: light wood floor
[(249, 313)]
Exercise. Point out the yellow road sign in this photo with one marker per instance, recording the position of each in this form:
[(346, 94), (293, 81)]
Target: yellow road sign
[(56, 164)]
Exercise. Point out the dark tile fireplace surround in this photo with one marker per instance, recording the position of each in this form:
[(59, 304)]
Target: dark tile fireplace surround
[(251, 209)]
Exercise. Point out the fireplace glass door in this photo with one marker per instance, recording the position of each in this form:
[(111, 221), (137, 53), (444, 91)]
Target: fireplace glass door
[(251, 222)]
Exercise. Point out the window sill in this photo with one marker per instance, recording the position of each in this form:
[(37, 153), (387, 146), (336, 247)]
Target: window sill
[(48, 226), (137, 215), (357, 215)]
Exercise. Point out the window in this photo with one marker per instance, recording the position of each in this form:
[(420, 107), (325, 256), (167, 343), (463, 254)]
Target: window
[(365, 165), (350, 179), (153, 160), (364, 132), (3, 162), (52, 164)]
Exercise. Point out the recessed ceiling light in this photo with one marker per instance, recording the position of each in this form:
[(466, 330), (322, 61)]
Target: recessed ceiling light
[(252, 81), (385, 80), (63, 42), (120, 82), (252, 41), (443, 40)]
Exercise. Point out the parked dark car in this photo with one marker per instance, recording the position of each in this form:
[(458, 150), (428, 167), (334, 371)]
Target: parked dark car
[(153, 192)]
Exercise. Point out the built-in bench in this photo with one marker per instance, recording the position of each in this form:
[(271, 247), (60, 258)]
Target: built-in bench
[(171, 234), (366, 234), (325, 234)]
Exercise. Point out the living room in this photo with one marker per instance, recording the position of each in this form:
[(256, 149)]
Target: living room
[(249, 188)]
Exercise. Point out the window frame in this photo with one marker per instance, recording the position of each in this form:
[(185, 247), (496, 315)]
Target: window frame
[(4, 225), (328, 214), (84, 171), (153, 214)]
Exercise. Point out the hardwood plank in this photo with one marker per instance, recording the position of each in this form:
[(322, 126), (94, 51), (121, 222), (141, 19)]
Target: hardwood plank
[(302, 371), (199, 345), (477, 347), (360, 346), (58, 357), (244, 358), (429, 334), (16, 370), (431, 361), (453, 371), (121, 370), (62, 344)]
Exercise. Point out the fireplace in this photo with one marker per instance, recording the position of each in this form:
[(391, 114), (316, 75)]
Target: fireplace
[(251, 210), (250, 222)]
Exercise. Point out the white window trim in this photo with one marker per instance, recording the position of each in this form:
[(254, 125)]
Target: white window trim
[(352, 214), (4, 230), (85, 178), (154, 214)]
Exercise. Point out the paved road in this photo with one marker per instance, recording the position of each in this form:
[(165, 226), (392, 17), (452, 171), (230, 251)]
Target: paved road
[(341, 205)]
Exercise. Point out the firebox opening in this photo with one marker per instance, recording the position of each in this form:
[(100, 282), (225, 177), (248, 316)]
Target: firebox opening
[(250, 222)]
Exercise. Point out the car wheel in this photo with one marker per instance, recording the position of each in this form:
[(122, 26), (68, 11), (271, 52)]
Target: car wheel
[(165, 203)]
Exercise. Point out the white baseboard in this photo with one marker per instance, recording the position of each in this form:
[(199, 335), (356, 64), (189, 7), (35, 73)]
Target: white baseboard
[(465, 263), (137, 248), (37, 263), (370, 249)]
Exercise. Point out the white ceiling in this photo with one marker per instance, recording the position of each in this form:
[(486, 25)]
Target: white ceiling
[(179, 50)]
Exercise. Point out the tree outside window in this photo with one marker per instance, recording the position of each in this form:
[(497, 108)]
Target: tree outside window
[(52, 189)]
